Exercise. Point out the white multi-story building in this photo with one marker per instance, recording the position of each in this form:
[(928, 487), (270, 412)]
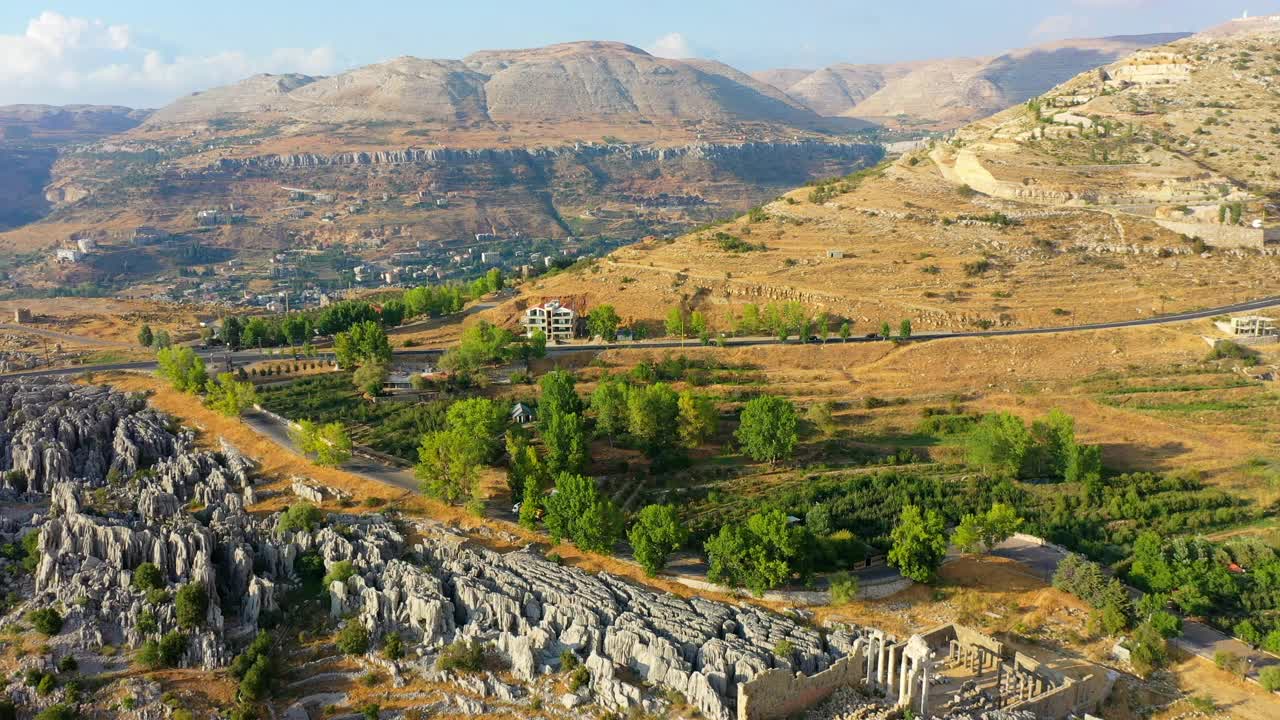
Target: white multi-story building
[(556, 321)]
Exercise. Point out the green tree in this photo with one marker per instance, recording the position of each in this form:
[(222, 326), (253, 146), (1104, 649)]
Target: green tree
[(229, 396), (493, 280), (329, 442), (609, 404), (232, 327), (558, 394), (578, 512), (885, 331), (296, 329), (767, 429), (757, 555), (162, 340), (482, 421), (698, 323), (999, 444), (192, 605), (698, 419), (653, 414), (565, 437), (749, 323), (145, 336), (919, 544), (182, 368), (603, 321), (524, 466), (364, 342), (448, 465), (845, 331), (676, 322), (986, 530), (904, 329), (968, 534), (656, 534), (370, 377)]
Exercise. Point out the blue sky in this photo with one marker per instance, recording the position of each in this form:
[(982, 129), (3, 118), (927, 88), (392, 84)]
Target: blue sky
[(145, 53)]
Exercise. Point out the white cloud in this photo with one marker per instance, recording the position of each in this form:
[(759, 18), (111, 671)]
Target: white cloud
[(61, 59), (672, 45), (1061, 26)]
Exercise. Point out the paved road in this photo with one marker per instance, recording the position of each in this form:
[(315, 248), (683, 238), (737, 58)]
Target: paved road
[(1197, 637), (366, 468), (247, 356)]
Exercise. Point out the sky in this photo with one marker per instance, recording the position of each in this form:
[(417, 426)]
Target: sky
[(146, 53)]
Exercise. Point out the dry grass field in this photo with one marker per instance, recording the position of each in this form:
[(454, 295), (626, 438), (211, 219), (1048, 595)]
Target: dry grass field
[(912, 248)]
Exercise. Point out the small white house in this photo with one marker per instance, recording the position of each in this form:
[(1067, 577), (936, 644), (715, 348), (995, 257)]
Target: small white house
[(521, 414), (68, 255)]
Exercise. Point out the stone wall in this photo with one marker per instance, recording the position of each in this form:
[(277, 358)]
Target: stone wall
[(1074, 696), (1227, 236), (781, 694)]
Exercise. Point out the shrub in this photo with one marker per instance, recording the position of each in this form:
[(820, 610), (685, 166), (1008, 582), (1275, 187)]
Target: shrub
[(580, 677), (1269, 676), (392, 646), (57, 712), (147, 576), (67, 663), (46, 621), (463, 656), (340, 572), (47, 684), (172, 647), (353, 639), (844, 588), (192, 604), (300, 516)]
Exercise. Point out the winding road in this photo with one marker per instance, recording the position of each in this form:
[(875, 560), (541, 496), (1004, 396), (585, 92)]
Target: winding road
[(249, 356)]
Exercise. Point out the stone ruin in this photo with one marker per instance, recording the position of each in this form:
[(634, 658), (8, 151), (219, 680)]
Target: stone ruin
[(124, 486)]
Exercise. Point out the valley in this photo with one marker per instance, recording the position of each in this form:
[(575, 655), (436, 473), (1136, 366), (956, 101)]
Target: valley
[(582, 383)]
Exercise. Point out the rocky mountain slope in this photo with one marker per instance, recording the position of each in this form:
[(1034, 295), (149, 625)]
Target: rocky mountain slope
[(592, 81), (1146, 186), (946, 93)]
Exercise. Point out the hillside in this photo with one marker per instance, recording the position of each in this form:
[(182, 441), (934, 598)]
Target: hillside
[(945, 93), (593, 82), (1125, 192), (598, 142)]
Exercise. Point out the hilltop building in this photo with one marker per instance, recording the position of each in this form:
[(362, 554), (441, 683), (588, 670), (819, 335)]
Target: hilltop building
[(556, 321)]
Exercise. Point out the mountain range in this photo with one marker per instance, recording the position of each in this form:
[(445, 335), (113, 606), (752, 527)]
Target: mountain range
[(946, 93)]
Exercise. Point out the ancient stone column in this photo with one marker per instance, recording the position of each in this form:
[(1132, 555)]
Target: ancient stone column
[(894, 652), (924, 689), (904, 687)]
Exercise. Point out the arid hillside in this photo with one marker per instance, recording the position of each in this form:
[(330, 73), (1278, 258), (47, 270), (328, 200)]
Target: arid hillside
[(1141, 188), (945, 93)]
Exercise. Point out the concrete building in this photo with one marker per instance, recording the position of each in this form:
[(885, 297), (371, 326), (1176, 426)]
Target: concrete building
[(86, 245), (68, 255), (556, 321), (1247, 330), (22, 315)]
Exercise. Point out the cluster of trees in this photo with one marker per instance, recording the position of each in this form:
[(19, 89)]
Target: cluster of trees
[(655, 416), (603, 321), (157, 340), (449, 459), (363, 343), (787, 319), (394, 308), (185, 371), (1001, 444), (759, 554), (484, 343), (329, 442)]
